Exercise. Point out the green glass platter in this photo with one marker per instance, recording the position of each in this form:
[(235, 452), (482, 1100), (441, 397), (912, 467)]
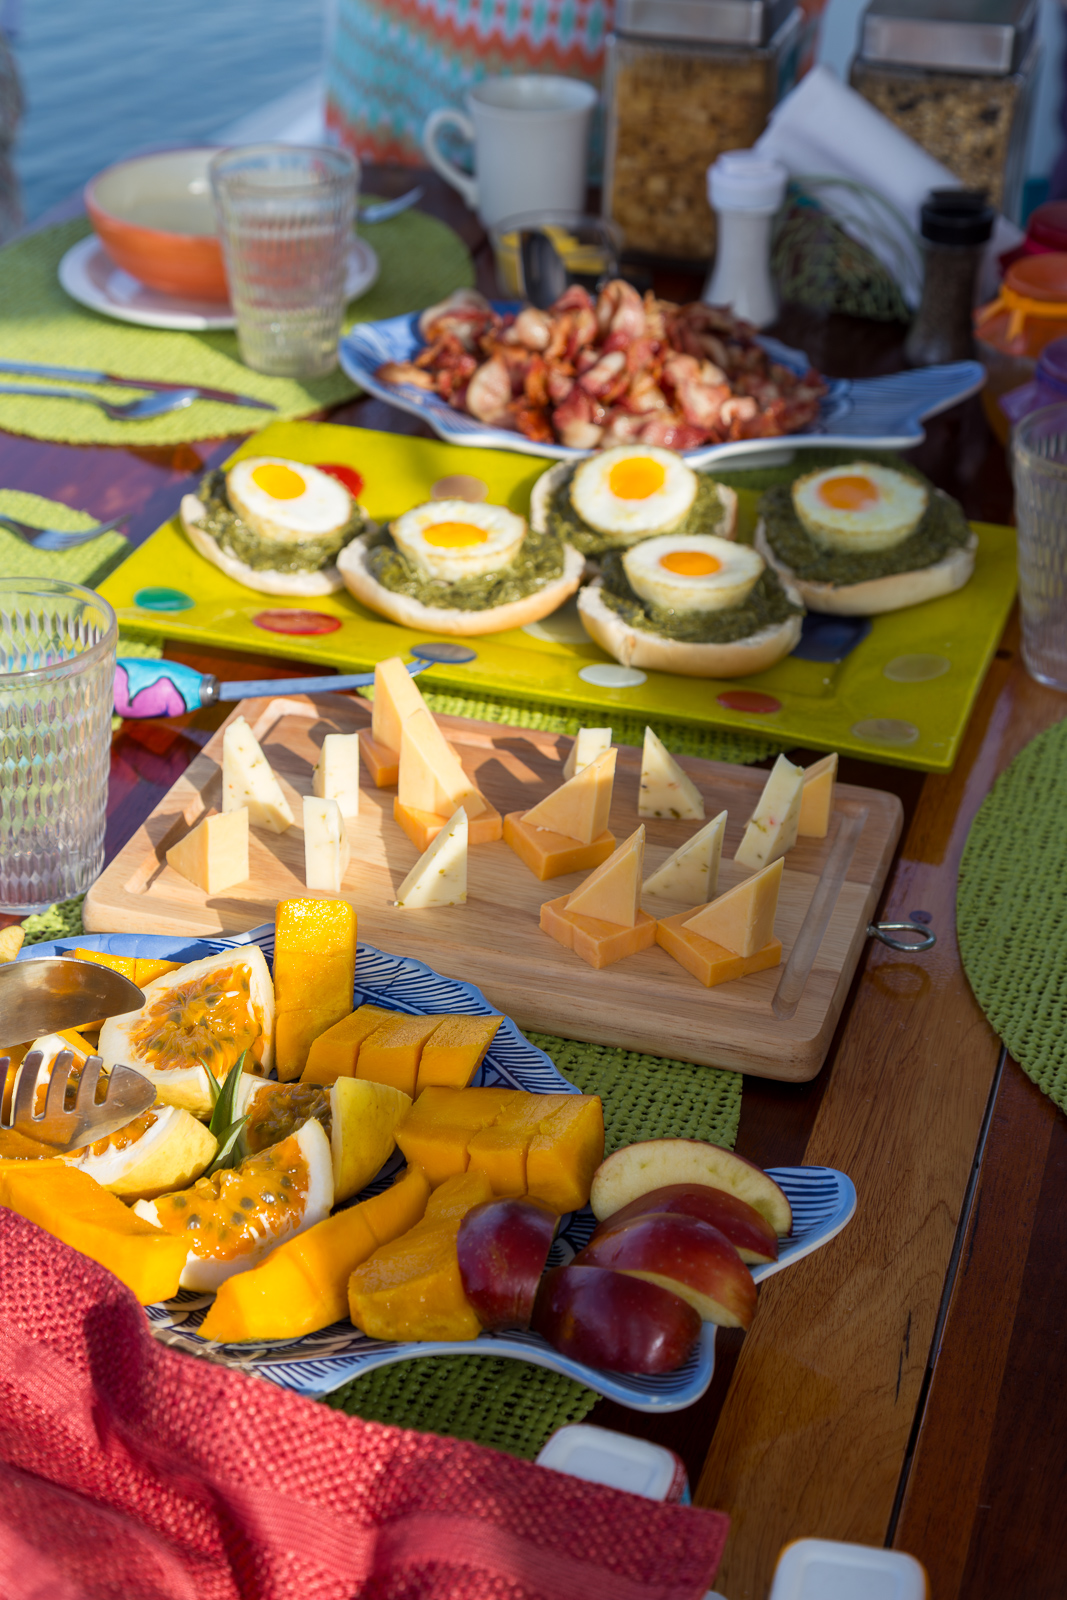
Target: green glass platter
[(902, 695)]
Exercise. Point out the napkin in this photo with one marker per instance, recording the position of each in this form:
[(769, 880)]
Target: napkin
[(823, 129), (128, 1469)]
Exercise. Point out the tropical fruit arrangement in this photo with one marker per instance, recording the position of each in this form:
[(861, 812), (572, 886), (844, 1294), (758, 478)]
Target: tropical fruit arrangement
[(246, 1185)]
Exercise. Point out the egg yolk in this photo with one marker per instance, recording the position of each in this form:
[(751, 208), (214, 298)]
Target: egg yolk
[(636, 477), (690, 563), (280, 482), (454, 535), (851, 492)]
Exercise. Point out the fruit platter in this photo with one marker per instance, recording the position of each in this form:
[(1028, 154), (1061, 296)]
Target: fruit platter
[(288, 1207)]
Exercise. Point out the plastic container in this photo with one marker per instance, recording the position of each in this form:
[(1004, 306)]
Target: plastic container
[(600, 1455), (745, 191), (956, 225), (1047, 388), (1028, 315), (823, 1569), (1046, 229)]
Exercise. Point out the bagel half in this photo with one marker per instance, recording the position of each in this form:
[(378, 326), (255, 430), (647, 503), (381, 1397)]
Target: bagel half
[(636, 647), (549, 482), (876, 595), (326, 581), (361, 582)]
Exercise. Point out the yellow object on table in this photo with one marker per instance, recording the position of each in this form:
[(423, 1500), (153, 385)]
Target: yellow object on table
[(335, 1053), (314, 973)]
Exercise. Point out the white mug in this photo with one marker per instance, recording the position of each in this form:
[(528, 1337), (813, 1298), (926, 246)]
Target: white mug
[(531, 138)]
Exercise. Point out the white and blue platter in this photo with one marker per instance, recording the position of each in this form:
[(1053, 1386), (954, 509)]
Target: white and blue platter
[(823, 1201)]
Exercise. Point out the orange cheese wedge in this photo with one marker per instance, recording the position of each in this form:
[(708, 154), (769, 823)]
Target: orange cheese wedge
[(709, 962), (550, 855), (580, 807), (381, 763), (613, 892), (599, 943), (422, 827)]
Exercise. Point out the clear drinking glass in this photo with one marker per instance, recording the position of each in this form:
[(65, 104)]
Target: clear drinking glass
[(285, 216), (1039, 469), (57, 686)]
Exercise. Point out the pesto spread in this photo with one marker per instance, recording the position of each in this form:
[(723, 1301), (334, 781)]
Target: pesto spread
[(943, 528), (765, 606), (539, 561), (269, 555), (707, 514)]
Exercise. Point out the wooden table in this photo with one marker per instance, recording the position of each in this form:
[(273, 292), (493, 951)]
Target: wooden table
[(903, 1386)]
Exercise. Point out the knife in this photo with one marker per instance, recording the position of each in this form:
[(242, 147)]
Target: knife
[(146, 688), (30, 369)]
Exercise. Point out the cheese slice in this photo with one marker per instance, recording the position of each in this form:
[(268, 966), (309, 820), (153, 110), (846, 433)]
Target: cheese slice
[(396, 697), (691, 874), (665, 790), (817, 797), (579, 808), (247, 780), (773, 828), (439, 876), (214, 854), (587, 745), (742, 919), (613, 892), (336, 775), (326, 847), (431, 778)]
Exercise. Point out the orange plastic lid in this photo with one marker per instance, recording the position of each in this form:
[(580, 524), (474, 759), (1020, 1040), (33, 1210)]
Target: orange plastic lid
[(1041, 277)]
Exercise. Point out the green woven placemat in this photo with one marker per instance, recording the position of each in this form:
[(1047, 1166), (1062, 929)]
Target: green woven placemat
[(421, 261), (88, 563), (1011, 910), (508, 1404)]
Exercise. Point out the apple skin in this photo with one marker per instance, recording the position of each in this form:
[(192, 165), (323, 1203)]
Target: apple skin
[(613, 1321), (655, 1163), (686, 1256), (750, 1234), (502, 1247)]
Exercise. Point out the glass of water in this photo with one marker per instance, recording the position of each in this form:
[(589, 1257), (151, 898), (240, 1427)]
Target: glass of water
[(285, 216), (57, 686), (1039, 469)]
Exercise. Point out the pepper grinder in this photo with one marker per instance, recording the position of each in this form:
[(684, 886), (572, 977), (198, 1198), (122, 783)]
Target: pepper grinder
[(956, 225), (745, 190)]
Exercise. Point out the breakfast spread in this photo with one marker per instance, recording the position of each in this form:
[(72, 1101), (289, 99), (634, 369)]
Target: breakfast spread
[(602, 920), (607, 371), (628, 493)]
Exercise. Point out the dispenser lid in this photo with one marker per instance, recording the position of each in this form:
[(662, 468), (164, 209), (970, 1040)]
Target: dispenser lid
[(736, 22), (981, 36)]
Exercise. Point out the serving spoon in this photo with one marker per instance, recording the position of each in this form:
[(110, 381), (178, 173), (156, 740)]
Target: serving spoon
[(150, 405)]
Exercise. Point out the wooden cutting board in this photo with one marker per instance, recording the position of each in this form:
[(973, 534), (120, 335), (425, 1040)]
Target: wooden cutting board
[(647, 1002)]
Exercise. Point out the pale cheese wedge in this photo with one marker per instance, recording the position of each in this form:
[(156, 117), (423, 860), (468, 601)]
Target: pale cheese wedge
[(817, 797), (773, 828), (431, 778), (247, 780), (336, 774), (214, 854), (742, 919), (396, 696), (439, 876), (691, 874), (588, 744), (613, 892), (326, 847), (665, 790), (580, 807)]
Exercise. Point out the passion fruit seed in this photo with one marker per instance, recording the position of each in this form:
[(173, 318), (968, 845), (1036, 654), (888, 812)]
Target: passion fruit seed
[(208, 1021)]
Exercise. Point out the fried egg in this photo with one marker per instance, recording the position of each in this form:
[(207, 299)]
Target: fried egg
[(633, 491), (692, 572), (287, 500), (859, 507), (453, 539)]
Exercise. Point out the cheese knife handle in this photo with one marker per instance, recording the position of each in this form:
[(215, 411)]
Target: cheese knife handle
[(147, 688)]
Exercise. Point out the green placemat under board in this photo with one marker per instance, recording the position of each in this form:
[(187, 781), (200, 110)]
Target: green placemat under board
[(421, 260), (1011, 910)]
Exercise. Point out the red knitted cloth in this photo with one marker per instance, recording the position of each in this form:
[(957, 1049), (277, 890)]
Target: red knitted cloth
[(129, 1471)]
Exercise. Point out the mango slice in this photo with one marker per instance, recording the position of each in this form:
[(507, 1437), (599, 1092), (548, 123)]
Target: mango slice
[(392, 1054), (436, 1132), (454, 1051), (314, 973), (334, 1054)]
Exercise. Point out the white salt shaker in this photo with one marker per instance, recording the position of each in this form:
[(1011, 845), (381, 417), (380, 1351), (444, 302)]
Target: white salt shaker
[(745, 190)]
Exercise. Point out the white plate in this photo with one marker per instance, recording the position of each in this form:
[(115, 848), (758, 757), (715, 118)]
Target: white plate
[(822, 1199), (89, 276)]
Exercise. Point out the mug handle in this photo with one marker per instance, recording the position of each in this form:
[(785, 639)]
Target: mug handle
[(449, 118)]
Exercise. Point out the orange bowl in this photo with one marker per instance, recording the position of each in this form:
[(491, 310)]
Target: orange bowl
[(155, 218)]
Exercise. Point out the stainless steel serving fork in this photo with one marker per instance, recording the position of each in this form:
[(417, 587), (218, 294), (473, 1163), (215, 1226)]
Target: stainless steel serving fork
[(151, 405), (62, 1127), (55, 539)]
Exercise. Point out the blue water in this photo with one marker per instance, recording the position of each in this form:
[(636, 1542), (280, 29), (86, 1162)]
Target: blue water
[(104, 78)]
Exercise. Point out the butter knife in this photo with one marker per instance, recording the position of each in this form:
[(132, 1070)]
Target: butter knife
[(30, 369)]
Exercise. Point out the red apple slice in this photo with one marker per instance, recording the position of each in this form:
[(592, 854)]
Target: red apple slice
[(614, 1321), (638, 1168), (750, 1234), (503, 1246), (686, 1256)]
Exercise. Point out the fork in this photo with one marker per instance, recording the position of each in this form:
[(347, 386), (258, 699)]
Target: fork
[(152, 405), (129, 1093), (55, 539)]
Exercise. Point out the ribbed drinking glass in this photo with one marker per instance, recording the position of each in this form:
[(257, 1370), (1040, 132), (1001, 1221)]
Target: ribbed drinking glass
[(1039, 468), (57, 686), (285, 216)]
